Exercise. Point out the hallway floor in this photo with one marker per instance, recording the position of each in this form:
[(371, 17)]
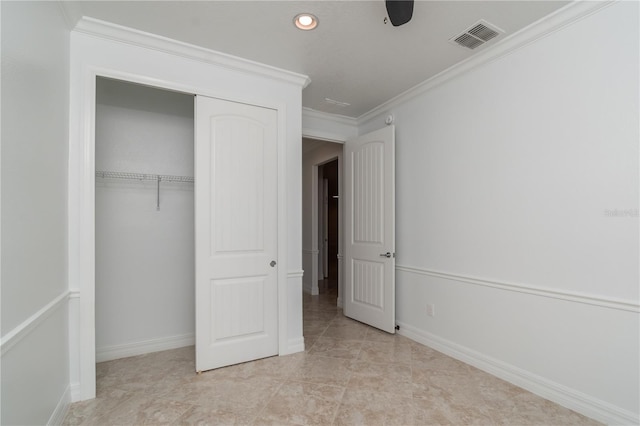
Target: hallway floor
[(350, 374)]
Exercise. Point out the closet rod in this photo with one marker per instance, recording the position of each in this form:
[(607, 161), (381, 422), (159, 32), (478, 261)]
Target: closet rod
[(144, 176)]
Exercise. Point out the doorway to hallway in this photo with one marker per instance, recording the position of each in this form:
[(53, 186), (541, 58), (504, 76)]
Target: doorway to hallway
[(330, 226), (322, 219)]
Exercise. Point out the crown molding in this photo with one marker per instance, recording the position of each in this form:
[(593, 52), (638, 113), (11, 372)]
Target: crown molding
[(64, 13), (336, 118), (563, 17), (119, 33), (332, 128)]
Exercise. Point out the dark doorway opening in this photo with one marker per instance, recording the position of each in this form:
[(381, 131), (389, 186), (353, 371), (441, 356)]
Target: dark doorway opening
[(330, 174)]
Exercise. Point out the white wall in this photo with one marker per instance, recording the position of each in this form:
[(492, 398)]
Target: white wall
[(35, 99), (310, 238), (505, 179), (144, 256)]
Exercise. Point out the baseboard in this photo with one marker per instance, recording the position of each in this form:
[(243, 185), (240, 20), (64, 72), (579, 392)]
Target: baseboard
[(75, 391), (310, 288), (339, 302), (295, 345), (144, 347), (560, 394), (58, 415)]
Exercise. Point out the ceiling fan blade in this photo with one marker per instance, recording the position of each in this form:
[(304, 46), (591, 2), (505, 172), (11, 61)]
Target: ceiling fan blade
[(399, 11)]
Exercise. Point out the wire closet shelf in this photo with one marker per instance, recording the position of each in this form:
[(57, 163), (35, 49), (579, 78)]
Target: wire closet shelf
[(145, 176)]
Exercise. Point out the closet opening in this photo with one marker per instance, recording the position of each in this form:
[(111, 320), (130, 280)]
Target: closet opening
[(144, 221)]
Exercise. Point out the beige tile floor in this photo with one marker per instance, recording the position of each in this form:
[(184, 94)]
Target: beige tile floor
[(350, 374)]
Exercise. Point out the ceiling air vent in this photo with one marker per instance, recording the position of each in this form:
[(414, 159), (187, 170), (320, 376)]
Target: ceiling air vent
[(336, 103), (476, 35)]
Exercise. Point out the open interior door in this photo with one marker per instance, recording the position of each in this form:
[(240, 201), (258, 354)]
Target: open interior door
[(369, 169), (236, 233)]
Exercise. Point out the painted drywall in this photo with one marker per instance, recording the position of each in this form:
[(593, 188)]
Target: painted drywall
[(35, 373), (310, 239), (144, 256), (35, 99), (190, 70), (521, 175)]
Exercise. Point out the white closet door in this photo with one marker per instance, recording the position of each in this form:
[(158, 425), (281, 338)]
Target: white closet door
[(370, 229), (236, 233)]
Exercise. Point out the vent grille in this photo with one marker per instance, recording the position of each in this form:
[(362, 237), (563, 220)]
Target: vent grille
[(469, 41), (336, 103), (476, 35)]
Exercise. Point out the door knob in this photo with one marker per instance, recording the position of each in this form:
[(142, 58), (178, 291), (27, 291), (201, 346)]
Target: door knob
[(273, 263), (387, 254)]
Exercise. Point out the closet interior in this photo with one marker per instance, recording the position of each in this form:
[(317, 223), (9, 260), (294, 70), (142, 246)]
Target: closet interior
[(144, 220)]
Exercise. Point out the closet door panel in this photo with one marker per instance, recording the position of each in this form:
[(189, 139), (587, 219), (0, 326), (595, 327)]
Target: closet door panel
[(238, 177), (236, 233)]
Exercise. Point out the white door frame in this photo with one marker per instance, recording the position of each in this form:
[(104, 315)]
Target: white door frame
[(82, 215)]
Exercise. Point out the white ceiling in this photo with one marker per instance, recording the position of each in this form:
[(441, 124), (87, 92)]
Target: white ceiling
[(351, 57)]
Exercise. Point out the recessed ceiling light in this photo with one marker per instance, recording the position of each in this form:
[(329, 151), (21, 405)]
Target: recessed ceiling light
[(305, 21)]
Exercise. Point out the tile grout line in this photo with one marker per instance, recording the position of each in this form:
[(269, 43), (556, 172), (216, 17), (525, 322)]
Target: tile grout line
[(335, 415), (264, 406)]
